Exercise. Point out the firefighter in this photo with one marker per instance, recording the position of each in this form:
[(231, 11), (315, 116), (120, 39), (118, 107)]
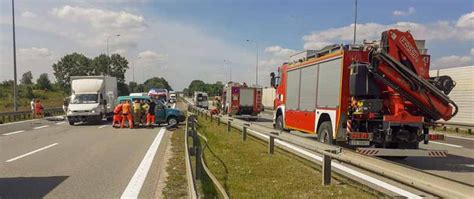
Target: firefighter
[(137, 112), (144, 112), (126, 114), (217, 107), (117, 115), (150, 117)]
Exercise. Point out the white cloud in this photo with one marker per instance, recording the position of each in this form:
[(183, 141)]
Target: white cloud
[(34, 52), (28, 14), (452, 61), (410, 11), (441, 30), (99, 18), (280, 52), (466, 21), (150, 55)]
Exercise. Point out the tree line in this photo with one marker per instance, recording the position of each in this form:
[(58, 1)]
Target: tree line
[(198, 85)]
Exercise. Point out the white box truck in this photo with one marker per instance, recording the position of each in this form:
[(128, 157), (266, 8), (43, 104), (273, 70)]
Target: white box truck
[(92, 98), (201, 100)]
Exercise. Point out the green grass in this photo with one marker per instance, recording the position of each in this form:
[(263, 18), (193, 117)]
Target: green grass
[(246, 170), (176, 182), (49, 99)]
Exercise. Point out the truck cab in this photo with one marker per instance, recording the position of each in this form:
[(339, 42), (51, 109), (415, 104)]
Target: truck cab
[(92, 99), (201, 100)]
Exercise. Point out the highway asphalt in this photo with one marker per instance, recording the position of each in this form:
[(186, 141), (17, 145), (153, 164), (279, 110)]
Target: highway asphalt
[(458, 166), (52, 159)]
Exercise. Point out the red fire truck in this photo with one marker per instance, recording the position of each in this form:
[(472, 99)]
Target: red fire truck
[(377, 95), (242, 101)]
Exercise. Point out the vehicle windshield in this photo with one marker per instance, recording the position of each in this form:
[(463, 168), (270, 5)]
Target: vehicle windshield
[(162, 97), (84, 99), (204, 98)]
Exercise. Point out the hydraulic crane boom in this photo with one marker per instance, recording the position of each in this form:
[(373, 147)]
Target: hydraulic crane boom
[(399, 65)]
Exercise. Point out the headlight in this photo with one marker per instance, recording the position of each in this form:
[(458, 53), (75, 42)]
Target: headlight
[(93, 111)]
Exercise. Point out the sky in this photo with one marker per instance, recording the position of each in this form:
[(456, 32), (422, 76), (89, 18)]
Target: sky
[(184, 40)]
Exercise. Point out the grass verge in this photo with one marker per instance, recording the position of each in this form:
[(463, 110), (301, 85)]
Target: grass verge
[(176, 182), (245, 169)]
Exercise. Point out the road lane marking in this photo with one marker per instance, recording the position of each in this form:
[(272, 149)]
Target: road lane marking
[(102, 126), (40, 127), (136, 183), (459, 137), (451, 145), (59, 123), (353, 172), (35, 151), (14, 132), (174, 105)]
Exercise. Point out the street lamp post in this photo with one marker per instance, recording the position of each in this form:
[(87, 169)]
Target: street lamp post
[(117, 35), (230, 69), (256, 65), (133, 68), (15, 91)]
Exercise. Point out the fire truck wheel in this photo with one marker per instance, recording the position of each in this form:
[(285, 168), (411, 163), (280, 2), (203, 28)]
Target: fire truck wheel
[(325, 132), (279, 123)]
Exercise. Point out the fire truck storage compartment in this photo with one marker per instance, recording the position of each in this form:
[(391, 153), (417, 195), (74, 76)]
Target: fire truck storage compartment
[(314, 84), (329, 83), (246, 97), (362, 83)]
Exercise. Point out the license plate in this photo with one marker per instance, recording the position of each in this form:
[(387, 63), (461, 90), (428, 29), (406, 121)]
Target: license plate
[(359, 142)]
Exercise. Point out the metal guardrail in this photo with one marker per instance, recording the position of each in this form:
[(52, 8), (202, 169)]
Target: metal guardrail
[(408, 176), (200, 164), (456, 126), (6, 117)]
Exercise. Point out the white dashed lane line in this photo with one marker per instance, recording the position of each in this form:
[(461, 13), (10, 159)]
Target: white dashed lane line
[(14, 132), (40, 127), (451, 145), (101, 126), (59, 123), (30, 153)]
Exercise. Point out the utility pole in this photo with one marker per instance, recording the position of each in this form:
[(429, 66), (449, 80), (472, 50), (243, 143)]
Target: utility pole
[(117, 35), (15, 91), (355, 21), (256, 67)]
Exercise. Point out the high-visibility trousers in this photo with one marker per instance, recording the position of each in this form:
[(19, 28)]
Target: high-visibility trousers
[(129, 118), (117, 119), (150, 119)]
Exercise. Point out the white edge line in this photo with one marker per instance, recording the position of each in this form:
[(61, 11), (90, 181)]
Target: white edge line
[(353, 172), (136, 183), (14, 132), (19, 122), (29, 153), (451, 145), (59, 123), (40, 127), (102, 126), (459, 137)]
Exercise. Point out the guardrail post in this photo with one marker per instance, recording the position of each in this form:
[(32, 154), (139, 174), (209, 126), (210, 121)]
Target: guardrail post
[(326, 178), (271, 144), (198, 170), (244, 132), (229, 121)]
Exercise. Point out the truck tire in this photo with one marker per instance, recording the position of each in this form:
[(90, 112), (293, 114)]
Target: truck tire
[(279, 123), (325, 133), (71, 123), (172, 120)]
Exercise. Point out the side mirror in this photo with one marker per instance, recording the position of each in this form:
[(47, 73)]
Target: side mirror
[(273, 82)]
